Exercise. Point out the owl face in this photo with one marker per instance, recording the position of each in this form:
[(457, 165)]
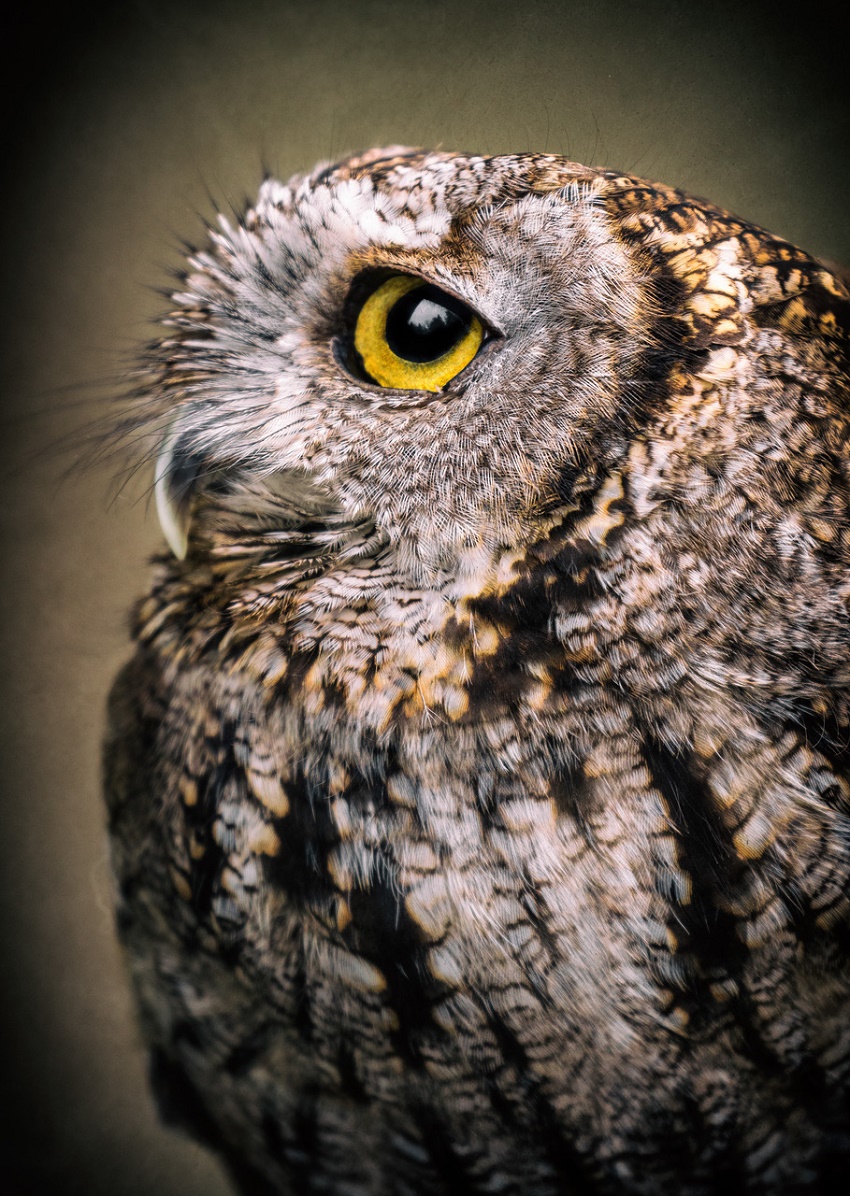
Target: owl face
[(440, 345)]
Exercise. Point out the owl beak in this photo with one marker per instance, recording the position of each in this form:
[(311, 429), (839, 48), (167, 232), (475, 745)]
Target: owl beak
[(175, 476)]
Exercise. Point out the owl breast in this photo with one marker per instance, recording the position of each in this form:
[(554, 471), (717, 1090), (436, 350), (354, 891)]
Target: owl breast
[(479, 788)]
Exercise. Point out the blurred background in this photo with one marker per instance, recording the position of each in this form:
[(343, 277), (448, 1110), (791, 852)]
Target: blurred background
[(125, 125)]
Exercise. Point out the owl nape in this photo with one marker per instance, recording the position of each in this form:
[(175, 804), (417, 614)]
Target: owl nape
[(478, 789)]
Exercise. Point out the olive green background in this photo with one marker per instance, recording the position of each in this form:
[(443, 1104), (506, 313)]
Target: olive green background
[(127, 121)]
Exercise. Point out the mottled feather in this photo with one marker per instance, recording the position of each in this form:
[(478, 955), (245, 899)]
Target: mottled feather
[(479, 788)]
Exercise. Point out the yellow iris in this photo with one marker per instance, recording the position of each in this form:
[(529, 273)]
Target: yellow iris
[(397, 332)]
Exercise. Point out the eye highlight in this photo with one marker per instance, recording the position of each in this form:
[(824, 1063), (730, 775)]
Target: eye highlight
[(410, 335)]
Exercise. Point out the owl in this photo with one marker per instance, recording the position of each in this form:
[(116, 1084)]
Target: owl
[(479, 789)]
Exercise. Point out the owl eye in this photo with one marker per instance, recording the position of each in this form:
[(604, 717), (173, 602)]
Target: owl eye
[(410, 335)]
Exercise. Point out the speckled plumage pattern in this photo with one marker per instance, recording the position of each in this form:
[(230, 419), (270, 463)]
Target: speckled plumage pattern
[(479, 788)]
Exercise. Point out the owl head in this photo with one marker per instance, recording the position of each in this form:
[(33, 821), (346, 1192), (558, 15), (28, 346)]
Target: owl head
[(456, 352), (438, 344)]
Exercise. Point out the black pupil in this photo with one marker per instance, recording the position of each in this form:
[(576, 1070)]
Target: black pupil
[(426, 323)]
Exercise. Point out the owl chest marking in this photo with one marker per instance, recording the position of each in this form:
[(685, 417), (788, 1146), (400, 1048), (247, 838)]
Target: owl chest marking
[(397, 797), (401, 791)]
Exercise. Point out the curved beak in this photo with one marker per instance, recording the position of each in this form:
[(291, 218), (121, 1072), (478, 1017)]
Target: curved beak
[(175, 476)]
